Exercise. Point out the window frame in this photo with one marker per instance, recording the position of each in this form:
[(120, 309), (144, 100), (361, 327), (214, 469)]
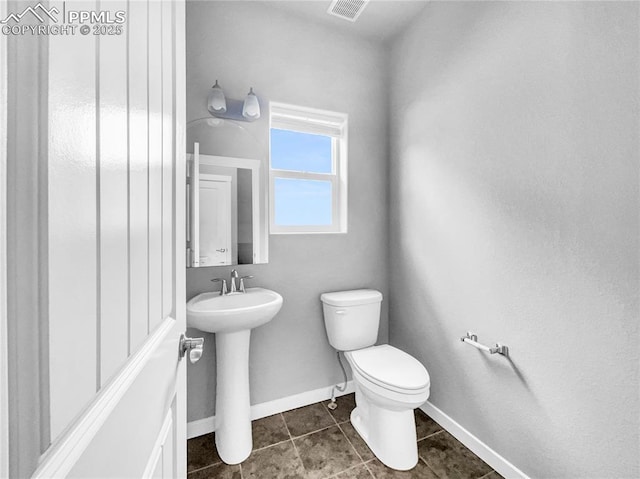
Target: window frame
[(318, 122)]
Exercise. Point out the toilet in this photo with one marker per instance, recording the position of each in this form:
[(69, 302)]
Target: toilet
[(389, 383)]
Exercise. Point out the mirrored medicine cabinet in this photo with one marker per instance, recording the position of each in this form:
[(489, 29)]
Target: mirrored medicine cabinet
[(226, 201)]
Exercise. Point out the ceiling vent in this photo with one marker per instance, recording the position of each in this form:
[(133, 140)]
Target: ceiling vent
[(347, 9)]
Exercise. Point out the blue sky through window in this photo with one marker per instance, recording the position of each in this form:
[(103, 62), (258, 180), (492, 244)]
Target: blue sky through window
[(295, 151), (301, 202)]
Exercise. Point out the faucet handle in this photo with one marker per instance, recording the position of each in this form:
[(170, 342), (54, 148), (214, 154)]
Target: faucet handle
[(223, 290), (241, 288)]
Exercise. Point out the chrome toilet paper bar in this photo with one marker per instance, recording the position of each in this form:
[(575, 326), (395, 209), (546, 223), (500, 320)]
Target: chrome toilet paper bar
[(472, 339)]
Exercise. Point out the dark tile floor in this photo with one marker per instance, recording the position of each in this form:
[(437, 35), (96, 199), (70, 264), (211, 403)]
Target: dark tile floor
[(314, 442)]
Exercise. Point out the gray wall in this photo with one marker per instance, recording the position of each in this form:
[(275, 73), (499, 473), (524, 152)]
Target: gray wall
[(287, 59), (514, 214)]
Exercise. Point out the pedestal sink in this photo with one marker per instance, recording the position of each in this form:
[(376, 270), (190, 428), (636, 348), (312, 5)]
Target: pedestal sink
[(231, 317)]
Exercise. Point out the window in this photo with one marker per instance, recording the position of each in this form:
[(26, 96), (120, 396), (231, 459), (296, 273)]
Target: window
[(308, 170)]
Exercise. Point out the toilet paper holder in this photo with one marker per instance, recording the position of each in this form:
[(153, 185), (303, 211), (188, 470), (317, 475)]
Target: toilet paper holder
[(472, 339)]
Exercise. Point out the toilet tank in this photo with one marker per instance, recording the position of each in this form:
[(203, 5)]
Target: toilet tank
[(351, 318)]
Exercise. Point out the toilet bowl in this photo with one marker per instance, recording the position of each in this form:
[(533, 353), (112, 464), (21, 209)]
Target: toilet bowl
[(389, 383)]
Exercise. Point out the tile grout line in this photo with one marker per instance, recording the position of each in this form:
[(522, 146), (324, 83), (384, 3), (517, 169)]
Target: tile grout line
[(430, 435), (350, 468), (326, 409), (335, 424), (351, 444), (420, 458), (313, 432), (433, 433), (271, 445), (366, 465), (212, 465), (441, 431), (295, 448), (203, 468), (208, 465), (343, 433)]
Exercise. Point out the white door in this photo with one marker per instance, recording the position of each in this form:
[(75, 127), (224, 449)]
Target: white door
[(115, 243), (215, 220)]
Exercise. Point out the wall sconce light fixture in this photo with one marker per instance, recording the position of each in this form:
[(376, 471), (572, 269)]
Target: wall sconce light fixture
[(222, 107), (216, 103), (251, 106)]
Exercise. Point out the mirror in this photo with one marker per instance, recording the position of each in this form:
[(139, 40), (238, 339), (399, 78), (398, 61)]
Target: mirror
[(227, 222)]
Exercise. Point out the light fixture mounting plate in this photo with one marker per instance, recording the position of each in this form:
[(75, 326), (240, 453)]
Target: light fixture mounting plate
[(234, 111)]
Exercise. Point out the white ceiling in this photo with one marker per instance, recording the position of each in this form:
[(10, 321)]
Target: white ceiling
[(380, 20)]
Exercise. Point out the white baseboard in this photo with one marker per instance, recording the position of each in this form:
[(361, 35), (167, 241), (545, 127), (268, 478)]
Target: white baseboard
[(479, 448), (200, 427), (258, 411)]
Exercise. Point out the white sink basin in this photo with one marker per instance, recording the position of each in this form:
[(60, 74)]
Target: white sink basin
[(232, 317), (213, 313)]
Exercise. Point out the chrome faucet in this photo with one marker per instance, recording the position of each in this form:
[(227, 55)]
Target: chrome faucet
[(223, 290), (236, 287), (241, 287), (234, 277)]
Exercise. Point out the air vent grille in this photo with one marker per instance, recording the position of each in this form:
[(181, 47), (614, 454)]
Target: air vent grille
[(347, 9)]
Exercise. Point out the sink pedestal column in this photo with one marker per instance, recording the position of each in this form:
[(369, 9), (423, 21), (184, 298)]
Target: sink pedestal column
[(233, 416)]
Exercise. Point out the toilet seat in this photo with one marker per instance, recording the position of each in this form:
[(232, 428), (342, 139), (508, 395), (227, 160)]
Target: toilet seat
[(390, 368)]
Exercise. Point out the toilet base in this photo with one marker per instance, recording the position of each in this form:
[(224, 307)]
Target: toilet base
[(391, 435)]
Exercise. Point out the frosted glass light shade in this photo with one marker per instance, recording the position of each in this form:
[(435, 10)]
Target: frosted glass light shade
[(251, 107), (216, 103)]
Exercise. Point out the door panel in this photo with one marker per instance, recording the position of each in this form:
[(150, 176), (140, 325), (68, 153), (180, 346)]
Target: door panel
[(161, 463), (167, 158), (138, 174), (215, 223), (72, 225), (128, 439), (113, 204), (116, 263), (155, 163)]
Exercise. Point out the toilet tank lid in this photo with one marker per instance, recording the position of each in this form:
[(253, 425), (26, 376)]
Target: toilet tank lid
[(351, 298)]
